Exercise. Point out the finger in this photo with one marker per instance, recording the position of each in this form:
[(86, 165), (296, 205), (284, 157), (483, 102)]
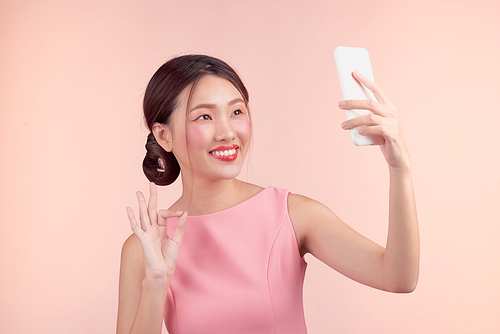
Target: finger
[(371, 105), (143, 211), (376, 140), (169, 213), (152, 204), (365, 120), (381, 131), (179, 229), (163, 215), (379, 94), (136, 227)]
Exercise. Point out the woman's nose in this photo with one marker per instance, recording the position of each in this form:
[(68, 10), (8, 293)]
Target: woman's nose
[(225, 130)]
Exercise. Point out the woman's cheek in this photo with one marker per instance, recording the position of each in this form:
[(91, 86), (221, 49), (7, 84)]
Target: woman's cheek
[(245, 130), (197, 136)]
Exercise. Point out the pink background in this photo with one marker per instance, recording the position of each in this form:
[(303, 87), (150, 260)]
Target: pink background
[(72, 75)]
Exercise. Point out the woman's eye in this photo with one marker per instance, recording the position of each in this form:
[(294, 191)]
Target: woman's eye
[(204, 117), (237, 112)]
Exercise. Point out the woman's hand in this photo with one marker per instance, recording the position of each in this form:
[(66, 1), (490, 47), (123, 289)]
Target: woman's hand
[(160, 251), (382, 124)]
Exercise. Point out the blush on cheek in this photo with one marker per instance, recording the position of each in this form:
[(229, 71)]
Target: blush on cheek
[(196, 137), (245, 130)]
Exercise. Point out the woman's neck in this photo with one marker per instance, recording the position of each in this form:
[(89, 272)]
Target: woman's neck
[(199, 198)]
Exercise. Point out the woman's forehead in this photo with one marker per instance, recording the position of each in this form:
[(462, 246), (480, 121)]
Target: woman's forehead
[(210, 89), (213, 89)]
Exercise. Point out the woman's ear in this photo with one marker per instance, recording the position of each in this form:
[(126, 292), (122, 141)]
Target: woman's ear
[(163, 136)]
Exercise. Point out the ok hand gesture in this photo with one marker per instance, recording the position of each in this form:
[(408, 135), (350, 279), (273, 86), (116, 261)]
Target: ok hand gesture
[(160, 251)]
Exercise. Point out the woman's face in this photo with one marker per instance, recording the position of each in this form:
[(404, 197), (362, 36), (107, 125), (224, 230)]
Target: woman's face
[(211, 139)]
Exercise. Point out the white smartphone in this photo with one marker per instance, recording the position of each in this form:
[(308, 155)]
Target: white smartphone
[(349, 59)]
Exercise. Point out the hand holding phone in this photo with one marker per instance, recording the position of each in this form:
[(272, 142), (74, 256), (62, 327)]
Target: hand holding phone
[(377, 120), (349, 59)]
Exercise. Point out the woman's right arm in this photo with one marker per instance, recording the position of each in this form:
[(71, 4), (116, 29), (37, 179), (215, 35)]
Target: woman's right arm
[(147, 266), (140, 301)]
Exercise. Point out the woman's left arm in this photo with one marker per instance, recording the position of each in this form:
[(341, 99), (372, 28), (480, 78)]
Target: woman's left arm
[(393, 268)]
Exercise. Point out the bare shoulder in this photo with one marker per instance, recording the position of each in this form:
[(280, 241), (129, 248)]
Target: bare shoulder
[(131, 244), (132, 255), (303, 209), (299, 202), (307, 215)]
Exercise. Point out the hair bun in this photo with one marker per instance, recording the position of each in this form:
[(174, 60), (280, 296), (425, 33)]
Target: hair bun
[(159, 166)]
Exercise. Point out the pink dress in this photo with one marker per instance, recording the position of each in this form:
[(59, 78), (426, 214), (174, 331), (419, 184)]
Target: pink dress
[(239, 271)]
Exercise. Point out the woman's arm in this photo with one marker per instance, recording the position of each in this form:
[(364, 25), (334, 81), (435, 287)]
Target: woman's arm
[(148, 263), (403, 245), (141, 301), (320, 232)]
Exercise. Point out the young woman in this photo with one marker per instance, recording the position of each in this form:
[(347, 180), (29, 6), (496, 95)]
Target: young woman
[(235, 263)]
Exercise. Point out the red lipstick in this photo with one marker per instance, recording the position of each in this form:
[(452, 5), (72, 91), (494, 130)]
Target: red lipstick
[(225, 153)]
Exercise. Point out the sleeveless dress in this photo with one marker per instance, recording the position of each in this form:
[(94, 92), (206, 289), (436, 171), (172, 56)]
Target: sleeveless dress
[(239, 271)]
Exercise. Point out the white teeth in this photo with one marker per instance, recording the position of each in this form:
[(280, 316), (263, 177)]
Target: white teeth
[(224, 153)]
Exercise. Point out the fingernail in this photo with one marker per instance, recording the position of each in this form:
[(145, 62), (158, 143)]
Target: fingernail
[(342, 104), (361, 131), (344, 125)]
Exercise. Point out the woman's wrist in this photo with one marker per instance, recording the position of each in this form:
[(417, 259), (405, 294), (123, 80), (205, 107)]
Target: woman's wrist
[(400, 170), (156, 283)]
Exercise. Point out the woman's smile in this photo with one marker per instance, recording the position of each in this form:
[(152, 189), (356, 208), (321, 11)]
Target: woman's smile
[(225, 153)]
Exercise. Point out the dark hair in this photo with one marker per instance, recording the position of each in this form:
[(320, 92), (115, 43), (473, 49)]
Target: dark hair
[(162, 97)]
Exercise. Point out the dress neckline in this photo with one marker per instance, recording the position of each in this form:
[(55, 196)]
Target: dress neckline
[(234, 207)]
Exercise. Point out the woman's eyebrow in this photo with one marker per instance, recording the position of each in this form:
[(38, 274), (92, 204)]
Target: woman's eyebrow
[(213, 106), (236, 100)]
